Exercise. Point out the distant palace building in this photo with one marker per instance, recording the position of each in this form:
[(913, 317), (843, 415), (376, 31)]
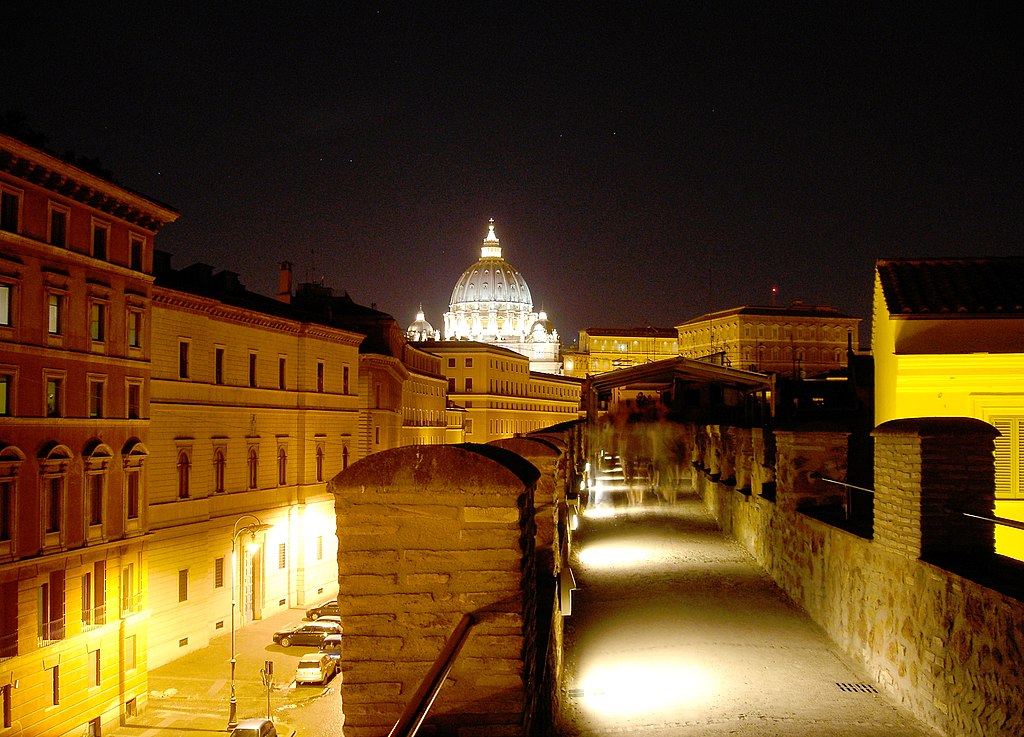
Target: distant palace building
[(498, 392), (609, 349), (798, 340), (491, 303)]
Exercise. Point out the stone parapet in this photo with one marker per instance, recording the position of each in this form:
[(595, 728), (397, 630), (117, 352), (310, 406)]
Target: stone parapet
[(921, 606), (427, 534)]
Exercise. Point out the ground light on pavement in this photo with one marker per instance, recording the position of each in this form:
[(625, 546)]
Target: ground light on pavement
[(676, 631)]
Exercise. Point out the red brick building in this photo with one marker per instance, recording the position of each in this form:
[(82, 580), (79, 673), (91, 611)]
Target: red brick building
[(76, 257)]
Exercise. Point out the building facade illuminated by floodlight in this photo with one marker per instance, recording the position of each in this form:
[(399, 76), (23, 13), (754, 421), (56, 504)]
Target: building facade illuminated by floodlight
[(500, 395), (948, 341), (253, 408), (610, 349), (76, 255), (798, 340), (491, 303)]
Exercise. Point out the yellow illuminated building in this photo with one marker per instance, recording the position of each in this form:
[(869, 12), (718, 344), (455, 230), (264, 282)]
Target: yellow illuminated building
[(400, 386), (798, 340), (609, 349), (948, 341), (252, 410), (500, 395)]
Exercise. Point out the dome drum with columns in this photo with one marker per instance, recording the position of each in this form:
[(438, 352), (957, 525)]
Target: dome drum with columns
[(491, 303)]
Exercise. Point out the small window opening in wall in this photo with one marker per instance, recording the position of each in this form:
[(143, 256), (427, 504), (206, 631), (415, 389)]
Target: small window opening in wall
[(219, 625), (319, 591), (183, 642), (93, 728), (280, 602), (130, 709)]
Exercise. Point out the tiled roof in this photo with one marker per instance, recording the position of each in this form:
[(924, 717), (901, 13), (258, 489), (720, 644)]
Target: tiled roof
[(991, 287)]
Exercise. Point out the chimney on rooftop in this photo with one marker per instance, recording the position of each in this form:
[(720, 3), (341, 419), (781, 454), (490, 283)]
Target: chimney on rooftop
[(284, 282)]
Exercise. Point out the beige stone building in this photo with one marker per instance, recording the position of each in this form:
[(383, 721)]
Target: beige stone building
[(253, 407), (500, 395), (609, 349), (401, 388), (798, 340)]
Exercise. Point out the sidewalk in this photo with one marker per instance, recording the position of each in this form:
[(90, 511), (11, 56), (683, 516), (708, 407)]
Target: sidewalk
[(677, 632), (191, 695)]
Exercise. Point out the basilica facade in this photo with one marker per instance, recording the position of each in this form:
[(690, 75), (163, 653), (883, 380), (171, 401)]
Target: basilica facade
[(491, 303)]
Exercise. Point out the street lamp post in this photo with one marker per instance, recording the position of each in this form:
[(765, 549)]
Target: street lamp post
[(251, 528)]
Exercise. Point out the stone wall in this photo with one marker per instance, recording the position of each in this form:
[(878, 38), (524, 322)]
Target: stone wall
[(926, 607), (427, 534)]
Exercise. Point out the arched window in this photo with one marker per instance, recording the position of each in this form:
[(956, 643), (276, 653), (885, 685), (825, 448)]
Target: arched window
[(319, 463), (282, 467), (96, 458), (254, 467), (184, 473), (344, 458), (133, 456), (218, 470), (11, 459)]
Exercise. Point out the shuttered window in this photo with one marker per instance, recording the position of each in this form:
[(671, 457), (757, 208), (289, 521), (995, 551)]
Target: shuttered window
[(1009, 451)]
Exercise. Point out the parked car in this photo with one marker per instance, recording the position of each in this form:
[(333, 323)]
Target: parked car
[(254, 728), (315, 668), (306, 633), (328, 607), (332, 648)]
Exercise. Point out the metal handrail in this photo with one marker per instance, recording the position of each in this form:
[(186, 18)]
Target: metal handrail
[(819, 477), (953, 510), (416, 711), (989, 518)]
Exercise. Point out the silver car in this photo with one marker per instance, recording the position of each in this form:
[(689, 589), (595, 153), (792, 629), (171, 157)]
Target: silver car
[(254, 728), (315, 668)]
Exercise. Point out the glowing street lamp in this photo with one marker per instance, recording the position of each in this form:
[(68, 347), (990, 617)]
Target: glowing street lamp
[(254, 525)]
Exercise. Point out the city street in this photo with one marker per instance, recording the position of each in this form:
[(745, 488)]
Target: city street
[(191, 695)]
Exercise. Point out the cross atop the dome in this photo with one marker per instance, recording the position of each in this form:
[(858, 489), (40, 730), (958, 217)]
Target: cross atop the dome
[(490, 249)]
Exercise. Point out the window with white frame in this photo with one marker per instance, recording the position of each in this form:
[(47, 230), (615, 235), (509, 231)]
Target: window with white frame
[(54, 313), (133, 397), (6, 293), (97, 389), (6, 392), (134, 321)]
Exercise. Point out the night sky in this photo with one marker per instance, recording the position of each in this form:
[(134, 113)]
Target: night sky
[(643, 164)]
